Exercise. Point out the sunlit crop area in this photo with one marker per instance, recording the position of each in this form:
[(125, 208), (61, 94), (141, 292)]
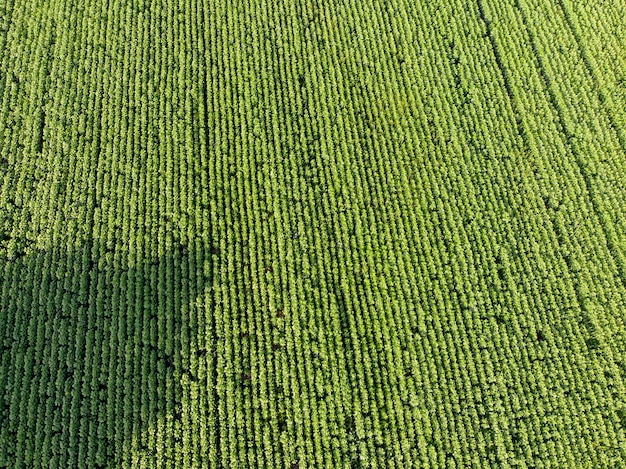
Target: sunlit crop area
[(312, 234)]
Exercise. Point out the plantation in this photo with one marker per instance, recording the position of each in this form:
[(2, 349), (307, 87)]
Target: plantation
[(304, 234)]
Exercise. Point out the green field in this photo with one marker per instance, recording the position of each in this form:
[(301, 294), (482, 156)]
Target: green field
[(312, 234)]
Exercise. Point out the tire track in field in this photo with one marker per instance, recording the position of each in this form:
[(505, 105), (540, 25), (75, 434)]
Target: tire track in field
[(607, 229), (587, 319), (608, 109)]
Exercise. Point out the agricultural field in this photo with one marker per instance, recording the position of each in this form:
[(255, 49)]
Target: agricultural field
[(312, 234)]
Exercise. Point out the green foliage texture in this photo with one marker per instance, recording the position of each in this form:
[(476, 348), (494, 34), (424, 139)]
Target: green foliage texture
[(312, 234)]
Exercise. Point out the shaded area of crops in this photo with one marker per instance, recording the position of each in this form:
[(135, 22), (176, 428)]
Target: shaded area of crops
[(92, 352)]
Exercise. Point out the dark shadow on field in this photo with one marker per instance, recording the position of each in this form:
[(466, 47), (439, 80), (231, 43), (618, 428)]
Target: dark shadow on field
[(92, 351)]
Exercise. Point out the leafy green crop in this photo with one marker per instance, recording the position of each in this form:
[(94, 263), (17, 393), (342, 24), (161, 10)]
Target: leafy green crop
[(305, 234)]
